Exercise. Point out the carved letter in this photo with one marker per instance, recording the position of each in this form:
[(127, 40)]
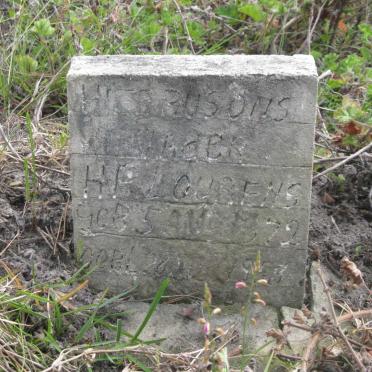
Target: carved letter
[(213, 149), (182, 187)]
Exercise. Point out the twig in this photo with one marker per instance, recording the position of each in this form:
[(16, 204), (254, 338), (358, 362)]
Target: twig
[(325, 160), (39, 109), (286, 356), (349, 158), (40, 166), (52, 169), (312, 26), (325, 74), (356, 314), (304, 327), (9, 244), (309, 349), (50, 235), (189, 38), (11, 148), (335, 320), (45, 236), (279, 34), (222, 19), (25, 105), (60, 361), (335, 224), (166, 40), (63, 216)]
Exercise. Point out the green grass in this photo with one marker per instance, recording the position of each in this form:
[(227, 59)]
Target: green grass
[(39, 40), (35, 325)]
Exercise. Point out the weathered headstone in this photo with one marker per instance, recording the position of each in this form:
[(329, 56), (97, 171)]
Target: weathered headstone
[(186, 166)]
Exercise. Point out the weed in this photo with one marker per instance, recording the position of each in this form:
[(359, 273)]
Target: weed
[(34, 183), (51, 312), (252, 296)]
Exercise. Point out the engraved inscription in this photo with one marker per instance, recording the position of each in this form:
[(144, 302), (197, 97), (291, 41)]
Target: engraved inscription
[(204, 223), (187, 174), (190, 183), (196, 102)]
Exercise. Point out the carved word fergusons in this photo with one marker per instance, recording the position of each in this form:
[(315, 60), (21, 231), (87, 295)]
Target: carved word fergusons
[(184, 167)]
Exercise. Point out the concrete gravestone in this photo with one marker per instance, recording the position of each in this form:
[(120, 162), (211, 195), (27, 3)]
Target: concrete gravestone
[(186, 166)]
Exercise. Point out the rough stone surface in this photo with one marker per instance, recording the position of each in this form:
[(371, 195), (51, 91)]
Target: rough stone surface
[(184, 167), (297, 338), (183, 334), (320, 303)]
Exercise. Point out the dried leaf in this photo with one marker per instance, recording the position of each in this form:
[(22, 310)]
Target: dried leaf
[(299, 317), (259, 301), (278, 335), (351, 128), (12, 275), (337, 138), (342, 26), (262, 282), (66, 296), (220, 331), (216, 311), (253, 321), (188, 312), (327, 198), (350, 269)]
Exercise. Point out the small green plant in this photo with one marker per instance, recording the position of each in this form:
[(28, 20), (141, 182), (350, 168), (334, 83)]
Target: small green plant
[(339, 181), (79, 251), (30, 167), (50, 307), (214, 357), (28, 193), (358, 250), (60, 140)]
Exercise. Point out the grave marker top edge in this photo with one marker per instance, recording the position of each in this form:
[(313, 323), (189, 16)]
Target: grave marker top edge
[(190, 65)]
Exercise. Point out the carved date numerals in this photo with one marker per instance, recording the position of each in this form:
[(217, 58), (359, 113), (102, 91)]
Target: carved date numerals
[(204, 223)]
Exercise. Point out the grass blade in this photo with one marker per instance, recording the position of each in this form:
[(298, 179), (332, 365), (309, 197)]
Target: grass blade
[(119, 325), (154, 304), (268, 364), (138, 363)]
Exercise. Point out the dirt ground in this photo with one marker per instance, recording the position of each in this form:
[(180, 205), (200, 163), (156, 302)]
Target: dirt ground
[(341, 225)]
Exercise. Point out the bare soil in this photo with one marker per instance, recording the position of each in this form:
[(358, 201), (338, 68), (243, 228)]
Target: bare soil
[(341, 225)]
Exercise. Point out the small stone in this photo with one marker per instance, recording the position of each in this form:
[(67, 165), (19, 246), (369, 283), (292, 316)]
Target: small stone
[(297, 338), (184, 334), (320, 301)]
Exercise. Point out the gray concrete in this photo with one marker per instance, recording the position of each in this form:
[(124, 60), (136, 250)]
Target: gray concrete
[(297, 338), (182, 334), (320, 302), (185, 167)]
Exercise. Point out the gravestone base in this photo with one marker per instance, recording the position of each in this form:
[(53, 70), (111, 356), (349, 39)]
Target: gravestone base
[(183, 334)]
